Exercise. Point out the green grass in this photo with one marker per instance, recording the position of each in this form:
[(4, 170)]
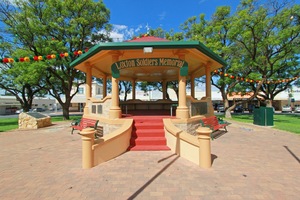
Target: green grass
[(7, 124), (289, 123)]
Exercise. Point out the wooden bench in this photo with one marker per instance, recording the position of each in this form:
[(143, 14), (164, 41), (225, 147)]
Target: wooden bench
[(214, 124), (84, 123)]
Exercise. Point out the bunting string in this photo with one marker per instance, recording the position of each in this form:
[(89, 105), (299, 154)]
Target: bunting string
[(248, 80), (80, 52), (42, 57)]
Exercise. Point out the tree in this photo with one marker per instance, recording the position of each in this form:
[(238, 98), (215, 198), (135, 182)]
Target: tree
[(214, 34), (22, 80), (52, 27), (126, 86), (258, 43), (151, 86), (269, 41)]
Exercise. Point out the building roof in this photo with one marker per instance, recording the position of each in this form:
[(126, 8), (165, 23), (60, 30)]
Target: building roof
[(195, 54)]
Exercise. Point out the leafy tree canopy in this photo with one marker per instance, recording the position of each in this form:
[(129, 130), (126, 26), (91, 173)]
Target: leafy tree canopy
[(52, 27), (259, 41)]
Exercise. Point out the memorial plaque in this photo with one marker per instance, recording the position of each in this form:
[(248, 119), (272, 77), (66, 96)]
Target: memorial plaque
[(36, 115), (99, 109), (199, 108), (94, 109)]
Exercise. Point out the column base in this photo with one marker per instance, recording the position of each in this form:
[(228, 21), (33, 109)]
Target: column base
[(182, 113), (115, 113), (87, 137), (204, 147)]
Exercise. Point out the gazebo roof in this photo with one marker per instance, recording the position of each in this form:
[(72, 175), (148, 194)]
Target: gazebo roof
[(148, 39), (194, 53)]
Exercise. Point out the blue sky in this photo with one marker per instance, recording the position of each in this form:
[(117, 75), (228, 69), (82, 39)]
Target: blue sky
[(133, 17)]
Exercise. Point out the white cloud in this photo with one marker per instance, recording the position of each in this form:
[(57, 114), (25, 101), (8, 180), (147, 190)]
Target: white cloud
[(162, 16), (138, 28), (121, 33), (117, 37), (119, 27), (202, 1)]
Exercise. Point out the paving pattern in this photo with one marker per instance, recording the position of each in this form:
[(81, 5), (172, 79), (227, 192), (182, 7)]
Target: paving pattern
[(249, 162)]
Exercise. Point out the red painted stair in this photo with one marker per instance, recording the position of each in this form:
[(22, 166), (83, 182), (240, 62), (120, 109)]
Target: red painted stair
[(148, 134)]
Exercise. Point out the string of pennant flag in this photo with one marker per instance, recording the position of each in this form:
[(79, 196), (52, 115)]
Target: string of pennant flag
[(80, 52), (238, 78), (42, 57)]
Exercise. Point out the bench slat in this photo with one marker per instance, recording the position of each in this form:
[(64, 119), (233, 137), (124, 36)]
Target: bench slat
[(213, 123), (84, 123)]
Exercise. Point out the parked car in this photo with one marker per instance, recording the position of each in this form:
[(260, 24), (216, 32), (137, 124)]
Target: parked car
[(38, 110), (297, 109), (220, 108), (286, 109), (250, 108), (238, 109), (19, 111)]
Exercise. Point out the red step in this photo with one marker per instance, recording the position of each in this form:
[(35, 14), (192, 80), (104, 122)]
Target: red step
[(148, 141), (149, 148), (154, 125), (148, 134)]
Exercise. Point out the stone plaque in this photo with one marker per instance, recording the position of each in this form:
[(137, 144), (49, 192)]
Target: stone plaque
[(36, 115), (94, 109), (199, 108), (99, 109)]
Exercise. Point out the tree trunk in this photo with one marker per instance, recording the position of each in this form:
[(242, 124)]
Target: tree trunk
[(268, 103), (66, 113), (227, 109), (65, 108), (26, 107), (167, 95)]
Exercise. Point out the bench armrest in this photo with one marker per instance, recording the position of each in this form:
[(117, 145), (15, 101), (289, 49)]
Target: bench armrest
[(75, 122)]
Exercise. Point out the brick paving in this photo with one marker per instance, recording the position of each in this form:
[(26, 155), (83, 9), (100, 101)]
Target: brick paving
[(249, 162)]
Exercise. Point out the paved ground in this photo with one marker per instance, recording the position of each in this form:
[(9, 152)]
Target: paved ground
[(250, 162)]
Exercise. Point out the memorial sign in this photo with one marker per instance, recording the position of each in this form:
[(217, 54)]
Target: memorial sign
[(36, 115), (149, 62)]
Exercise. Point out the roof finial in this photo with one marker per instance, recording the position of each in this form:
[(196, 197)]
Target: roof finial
[(148, 28)]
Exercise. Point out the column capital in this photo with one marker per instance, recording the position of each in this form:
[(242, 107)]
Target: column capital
[(181, 53), (115, 56), (208, 64), (203, 132)]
